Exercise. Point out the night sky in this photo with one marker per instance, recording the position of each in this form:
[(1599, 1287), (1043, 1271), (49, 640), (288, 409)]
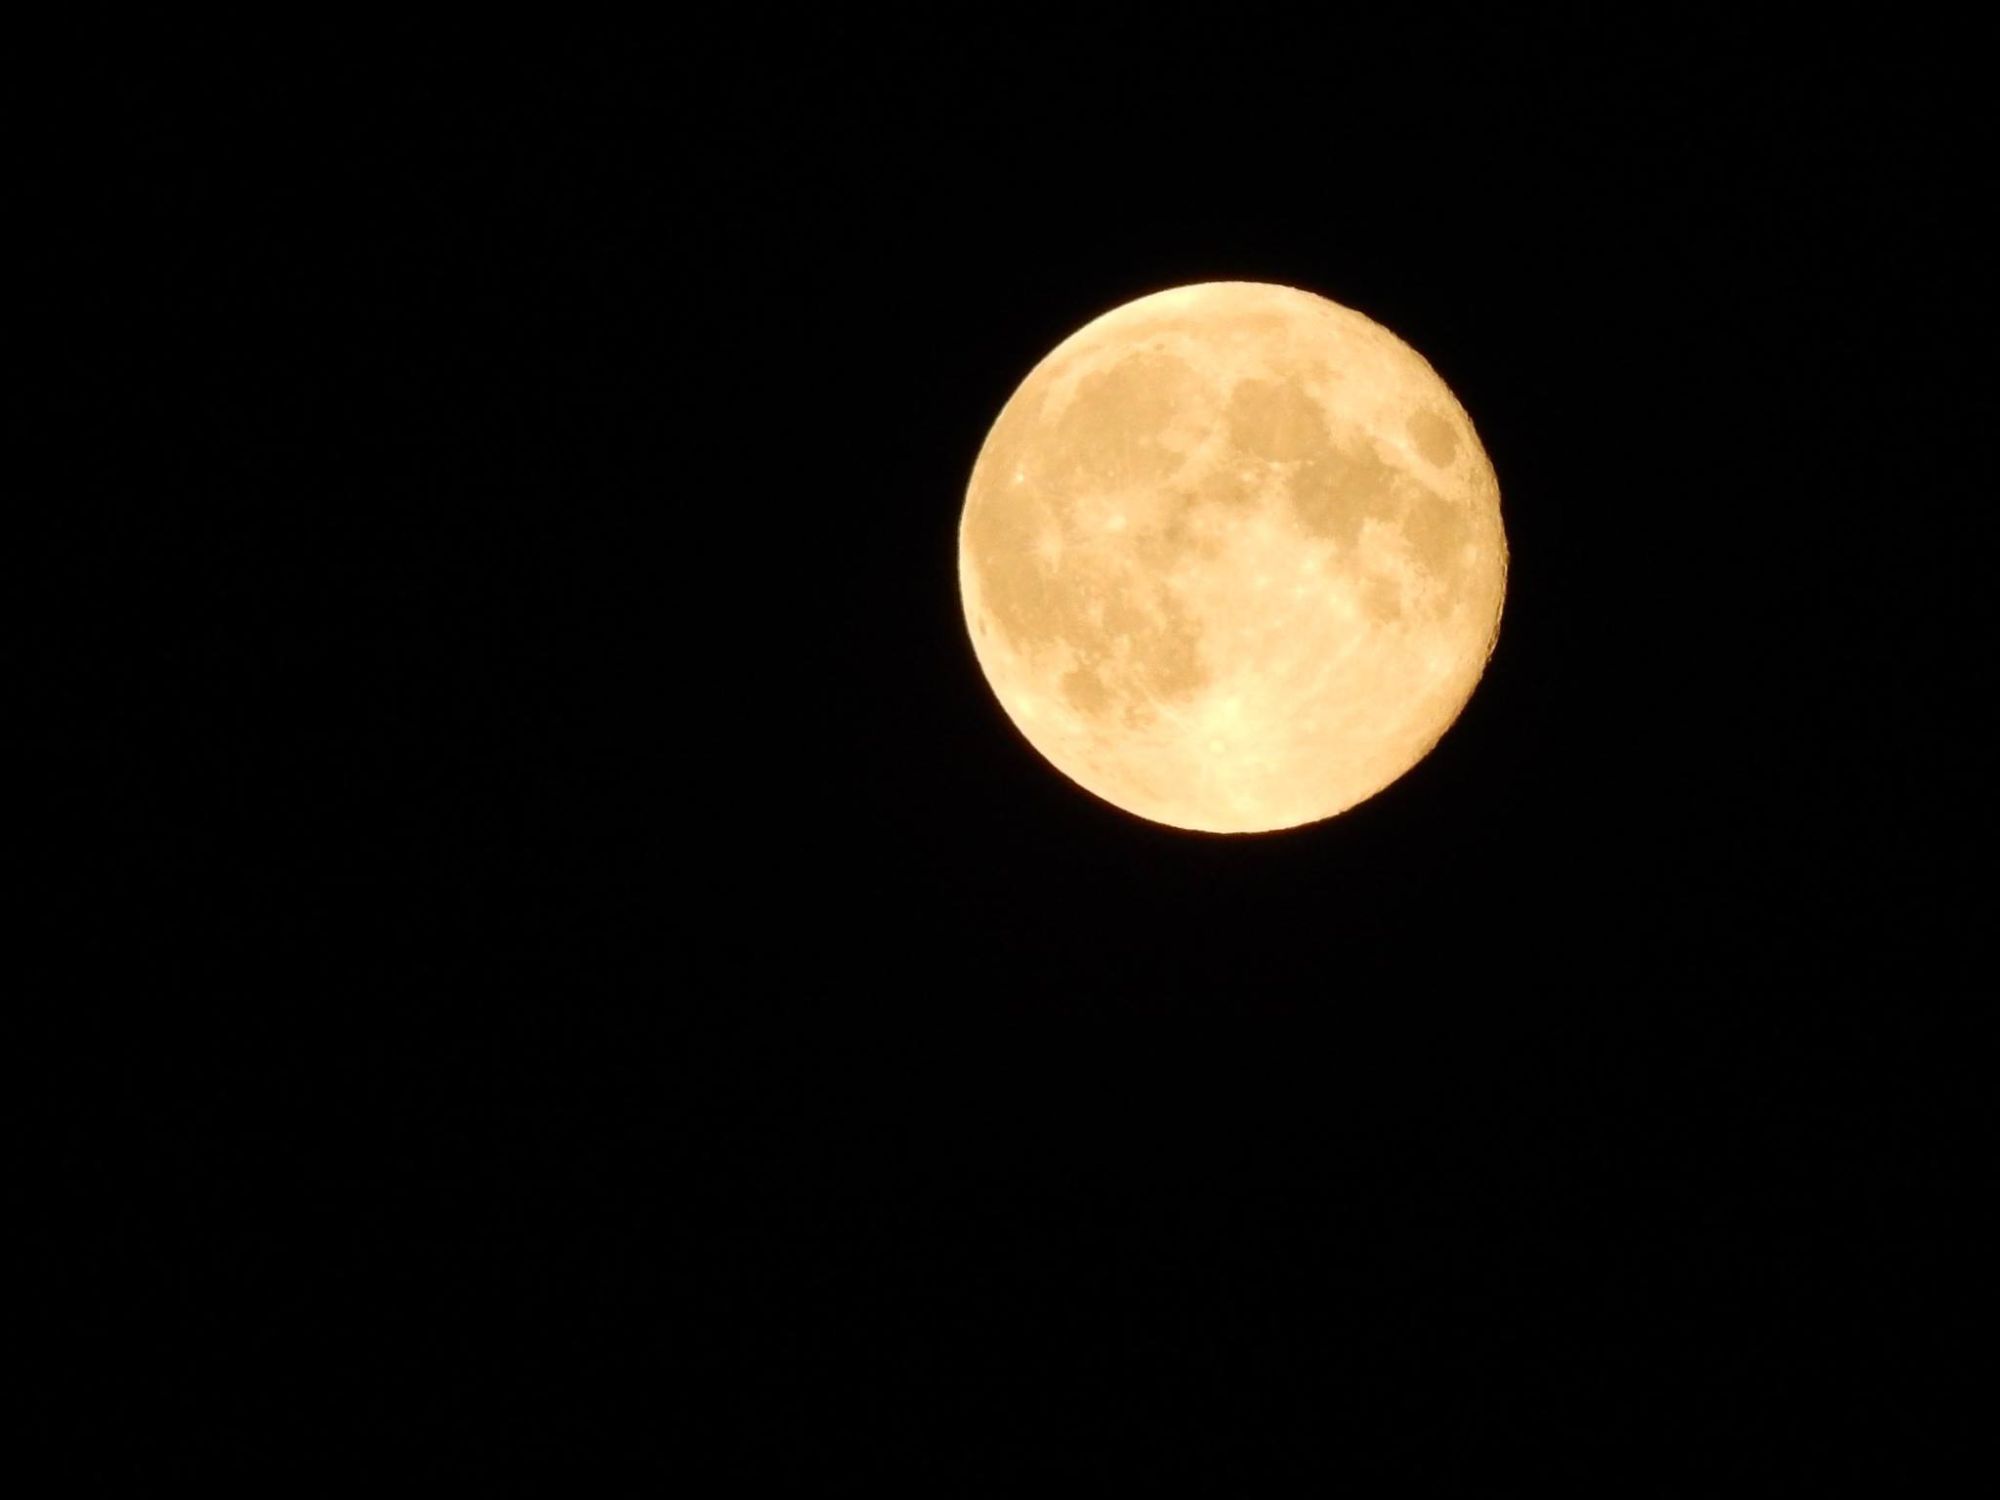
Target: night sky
[(574, 963)]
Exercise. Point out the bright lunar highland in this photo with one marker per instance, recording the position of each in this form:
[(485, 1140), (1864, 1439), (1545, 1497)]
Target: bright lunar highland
[(1231, 557)]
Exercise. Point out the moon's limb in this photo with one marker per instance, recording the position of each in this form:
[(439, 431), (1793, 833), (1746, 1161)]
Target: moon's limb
[(1232, 557)]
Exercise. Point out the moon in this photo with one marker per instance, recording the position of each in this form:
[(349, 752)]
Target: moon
[(1231, 557)]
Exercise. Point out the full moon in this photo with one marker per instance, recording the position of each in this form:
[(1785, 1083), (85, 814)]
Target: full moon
[(1231, 557)]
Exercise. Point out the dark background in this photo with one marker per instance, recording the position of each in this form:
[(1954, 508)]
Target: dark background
[(567, 958)]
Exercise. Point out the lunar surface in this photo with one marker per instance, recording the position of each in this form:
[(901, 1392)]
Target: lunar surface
[(1231, 557)]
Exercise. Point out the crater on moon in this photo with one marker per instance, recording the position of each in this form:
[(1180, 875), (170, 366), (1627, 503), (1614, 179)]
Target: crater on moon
[(1232, 557)]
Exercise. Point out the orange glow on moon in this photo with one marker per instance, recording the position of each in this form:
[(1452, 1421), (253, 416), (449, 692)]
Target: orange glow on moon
[(1231, 557)]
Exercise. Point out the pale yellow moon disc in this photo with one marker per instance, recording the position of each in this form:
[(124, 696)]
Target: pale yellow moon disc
[(1231, 557)]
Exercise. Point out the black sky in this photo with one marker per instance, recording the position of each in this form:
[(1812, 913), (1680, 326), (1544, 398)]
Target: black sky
[(600, 972)]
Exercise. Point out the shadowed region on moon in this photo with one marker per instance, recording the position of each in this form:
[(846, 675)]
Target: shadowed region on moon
[(1232, 558)]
